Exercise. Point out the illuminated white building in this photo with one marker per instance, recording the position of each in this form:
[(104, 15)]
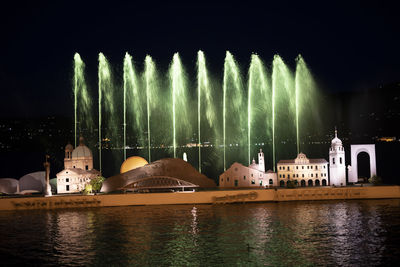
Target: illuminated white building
[(337, 166), (78, 169), (303, 171), (254, 175)]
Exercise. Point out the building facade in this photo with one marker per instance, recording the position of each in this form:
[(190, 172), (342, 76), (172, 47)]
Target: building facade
[(78, 169), (254, 175), (303, 171)]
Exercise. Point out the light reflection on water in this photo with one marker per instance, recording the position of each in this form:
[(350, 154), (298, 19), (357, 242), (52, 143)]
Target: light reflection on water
[(365, 232)]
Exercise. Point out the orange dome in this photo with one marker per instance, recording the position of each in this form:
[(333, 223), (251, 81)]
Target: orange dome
[(132, 163)]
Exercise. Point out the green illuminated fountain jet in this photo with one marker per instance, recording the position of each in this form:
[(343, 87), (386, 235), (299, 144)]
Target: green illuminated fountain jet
[(151, 93), (283, 103), (105, 89), (204, 95), (258, 102), (179, 103), (233, 103), (306, 99), (131, 93), (82, 100)]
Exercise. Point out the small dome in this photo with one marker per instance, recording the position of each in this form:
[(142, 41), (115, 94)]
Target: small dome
[(81, 151), (132, 163), (301, 155), (253, 165), (336, 141), (69, 147)]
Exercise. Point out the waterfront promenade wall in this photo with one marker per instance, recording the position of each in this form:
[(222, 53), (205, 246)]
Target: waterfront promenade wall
[(202, 197)]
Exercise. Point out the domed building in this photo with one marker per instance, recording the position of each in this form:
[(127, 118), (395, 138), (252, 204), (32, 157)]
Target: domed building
[(161, 175), (78, 169), (132, 163), (337, 166)]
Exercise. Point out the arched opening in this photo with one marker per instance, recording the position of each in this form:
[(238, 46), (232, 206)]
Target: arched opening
[(363, 167), (317, 183), (271, 182), (296, 183), (310, 182), (303, 183), (282, 183), (323, 182)]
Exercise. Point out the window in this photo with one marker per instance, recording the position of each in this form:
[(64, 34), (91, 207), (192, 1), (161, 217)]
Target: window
[(222, 179), (297, 167), (324, 167), (302, 167), (87, 167), (283, 176), (302, 175), (280, 175), (253, 181), (333, 161), (251, 175), (67, 180), (311, 175), (316, 175), (67, 187), (288, 168), (244, 177), (288, 176), (311, 167), (260, 183), (340, 159), (227, 179), (236, 182), (316, 167), (74, 167), (283, 167), (280, 167), (297, 175)]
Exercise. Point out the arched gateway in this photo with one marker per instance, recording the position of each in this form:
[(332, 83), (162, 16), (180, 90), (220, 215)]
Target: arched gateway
[(353, 169)]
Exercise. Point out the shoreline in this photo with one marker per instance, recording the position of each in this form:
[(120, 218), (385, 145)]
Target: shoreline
[(201, 197)]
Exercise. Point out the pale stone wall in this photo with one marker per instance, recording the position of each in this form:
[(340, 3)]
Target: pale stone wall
[(205, 197), (84, 163), (71, 182), (239, 175)]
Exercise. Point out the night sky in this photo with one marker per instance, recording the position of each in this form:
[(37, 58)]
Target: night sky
[(348, 46)]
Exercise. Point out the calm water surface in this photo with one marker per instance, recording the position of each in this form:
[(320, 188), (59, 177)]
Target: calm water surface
[(329, 233)]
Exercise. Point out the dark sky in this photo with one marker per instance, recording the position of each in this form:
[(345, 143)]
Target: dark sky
[(348, 45)]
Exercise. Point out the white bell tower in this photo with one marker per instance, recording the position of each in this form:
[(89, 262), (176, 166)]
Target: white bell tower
[(261, 162), (337, 166)]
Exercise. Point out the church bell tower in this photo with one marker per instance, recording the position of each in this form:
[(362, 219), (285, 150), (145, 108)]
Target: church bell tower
[(337, 166)]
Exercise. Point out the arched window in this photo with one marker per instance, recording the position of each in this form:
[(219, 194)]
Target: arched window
[(310, 182), (282, 184), (323, 182), (317, 183)]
